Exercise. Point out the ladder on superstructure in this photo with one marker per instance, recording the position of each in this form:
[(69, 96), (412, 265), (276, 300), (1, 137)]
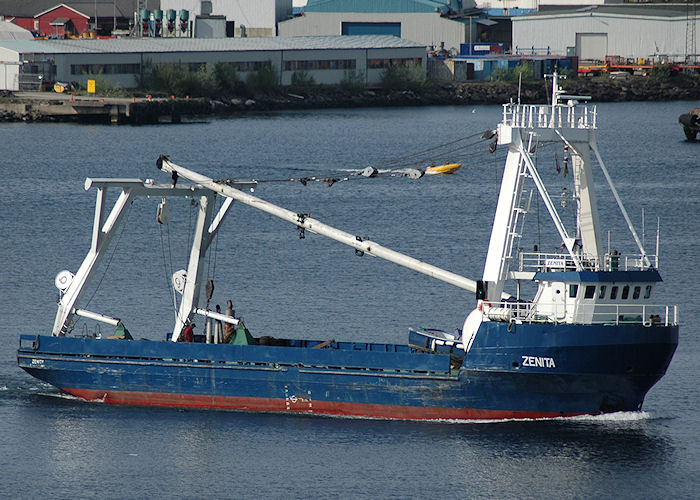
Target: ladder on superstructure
[(517, 218)]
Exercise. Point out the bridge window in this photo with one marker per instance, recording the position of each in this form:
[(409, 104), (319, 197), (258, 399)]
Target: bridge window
[(573, 290), (613, 293), (601, 292), (637, 291), (590, 292), (647, 291), (625, 292)]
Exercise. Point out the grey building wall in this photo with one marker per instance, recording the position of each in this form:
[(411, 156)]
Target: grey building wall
[(449, 69), (9, 69), (363, 63), (64, 63), (426, 29), (327, 61), (627, 36), (210, 27)]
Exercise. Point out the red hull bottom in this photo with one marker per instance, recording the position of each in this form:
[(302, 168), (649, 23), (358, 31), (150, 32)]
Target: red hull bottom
[(300, 405)]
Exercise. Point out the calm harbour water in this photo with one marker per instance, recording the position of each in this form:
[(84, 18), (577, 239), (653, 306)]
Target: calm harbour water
[(55, 446)]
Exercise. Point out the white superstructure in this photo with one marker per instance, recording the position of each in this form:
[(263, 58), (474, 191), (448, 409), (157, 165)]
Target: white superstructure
[(584, 283)]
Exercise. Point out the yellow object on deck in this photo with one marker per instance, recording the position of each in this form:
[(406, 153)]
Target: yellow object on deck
[(448, 168), (59, 87)]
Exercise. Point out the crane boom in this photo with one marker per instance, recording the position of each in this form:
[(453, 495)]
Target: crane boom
[(317, 227)]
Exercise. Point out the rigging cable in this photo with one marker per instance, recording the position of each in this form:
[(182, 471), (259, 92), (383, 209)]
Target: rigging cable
[(449, 154), (425, 151), (168, 271), (395, 167)]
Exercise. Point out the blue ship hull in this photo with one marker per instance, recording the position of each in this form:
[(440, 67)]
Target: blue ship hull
[(522, 371)]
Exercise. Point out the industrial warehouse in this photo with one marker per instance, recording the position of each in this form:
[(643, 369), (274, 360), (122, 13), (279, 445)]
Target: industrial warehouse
[(436, 24), (657, 32), (328, 60), (331, 40)]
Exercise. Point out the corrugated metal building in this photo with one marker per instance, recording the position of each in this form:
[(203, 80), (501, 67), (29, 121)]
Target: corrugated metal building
[(260, 17), (430, 22), (594, 32), (122, 61), (10, 31)]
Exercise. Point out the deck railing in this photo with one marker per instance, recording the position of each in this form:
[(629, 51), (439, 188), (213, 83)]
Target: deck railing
[(548, 116), (609, 314), (538, 261)]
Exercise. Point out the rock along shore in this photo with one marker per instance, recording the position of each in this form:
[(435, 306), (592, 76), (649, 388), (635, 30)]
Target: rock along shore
[(143, 110)]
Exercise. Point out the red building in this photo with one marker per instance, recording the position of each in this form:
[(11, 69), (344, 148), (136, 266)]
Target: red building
[(53, 19), (61, 21)]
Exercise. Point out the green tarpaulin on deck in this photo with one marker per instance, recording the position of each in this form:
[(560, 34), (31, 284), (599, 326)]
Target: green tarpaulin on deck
[(120, 332), (242, 336)]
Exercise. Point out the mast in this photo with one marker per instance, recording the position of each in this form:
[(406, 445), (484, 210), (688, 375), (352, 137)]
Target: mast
[(521, 125)]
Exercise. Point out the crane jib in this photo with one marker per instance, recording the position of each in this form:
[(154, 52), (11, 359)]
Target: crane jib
[(317, 227)]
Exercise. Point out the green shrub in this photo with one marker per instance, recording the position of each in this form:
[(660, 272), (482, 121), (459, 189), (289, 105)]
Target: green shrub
[(524, 69), (227, 79), (163, 77), (105, 88), (353, 80), (660, 70), (178, 80), (417, 75), (263, 80), (404, 77), (302, 79)]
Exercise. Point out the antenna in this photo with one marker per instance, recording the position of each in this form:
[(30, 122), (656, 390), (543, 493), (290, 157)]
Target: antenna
[(520, 83), (658, 229)]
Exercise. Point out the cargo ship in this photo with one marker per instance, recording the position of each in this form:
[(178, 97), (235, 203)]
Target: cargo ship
[(588, 339)]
